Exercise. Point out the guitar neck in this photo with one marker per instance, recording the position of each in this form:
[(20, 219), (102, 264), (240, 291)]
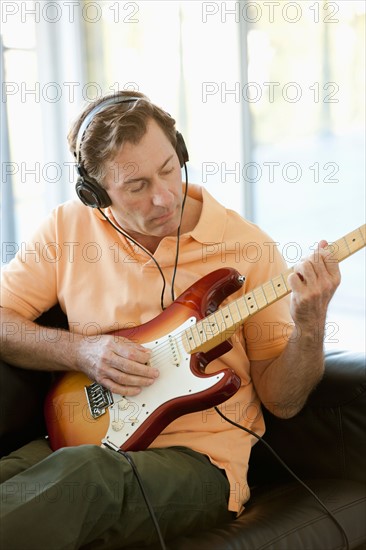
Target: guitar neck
[(221, 325)]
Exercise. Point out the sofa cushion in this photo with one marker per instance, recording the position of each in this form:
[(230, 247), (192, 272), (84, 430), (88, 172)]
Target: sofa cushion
[(286, 517)]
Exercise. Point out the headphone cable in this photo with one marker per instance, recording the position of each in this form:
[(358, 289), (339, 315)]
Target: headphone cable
[(119, 230), (178, 232)]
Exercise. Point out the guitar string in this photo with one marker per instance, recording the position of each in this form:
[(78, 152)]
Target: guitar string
[(263, 292), (164, 348), (221, 326), (202, 333), (151, 511)]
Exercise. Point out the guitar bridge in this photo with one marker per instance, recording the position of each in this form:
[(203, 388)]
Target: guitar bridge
[(98, 399)]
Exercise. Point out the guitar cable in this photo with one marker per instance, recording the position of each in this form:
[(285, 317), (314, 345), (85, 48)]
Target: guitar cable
[(145, 497), (142, 489), (258, 437), (295, 476), (124, 453), (274, 453)]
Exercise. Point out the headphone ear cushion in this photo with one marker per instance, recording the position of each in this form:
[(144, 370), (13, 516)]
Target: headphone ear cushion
[(181, 150), (91, 194)]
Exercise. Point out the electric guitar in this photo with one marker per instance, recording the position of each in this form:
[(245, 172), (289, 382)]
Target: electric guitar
[(184, 338)]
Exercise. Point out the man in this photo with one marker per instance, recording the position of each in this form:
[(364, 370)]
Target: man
[(121, 263)]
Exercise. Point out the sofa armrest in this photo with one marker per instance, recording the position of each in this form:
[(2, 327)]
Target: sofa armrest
[(327, 437), (22, 394)]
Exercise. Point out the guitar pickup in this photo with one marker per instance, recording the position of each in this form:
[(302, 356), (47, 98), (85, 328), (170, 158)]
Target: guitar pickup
[(98, 398), (174, 351)]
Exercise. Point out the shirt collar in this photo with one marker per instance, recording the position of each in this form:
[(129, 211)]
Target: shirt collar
[(212, 222)]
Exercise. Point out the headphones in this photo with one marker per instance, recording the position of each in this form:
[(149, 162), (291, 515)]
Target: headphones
[(87, 188)]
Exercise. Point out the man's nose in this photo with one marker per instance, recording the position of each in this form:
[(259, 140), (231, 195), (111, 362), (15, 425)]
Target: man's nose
[(162, 196)]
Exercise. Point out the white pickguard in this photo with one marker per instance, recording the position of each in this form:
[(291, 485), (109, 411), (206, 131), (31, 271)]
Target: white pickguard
[(176, 379)]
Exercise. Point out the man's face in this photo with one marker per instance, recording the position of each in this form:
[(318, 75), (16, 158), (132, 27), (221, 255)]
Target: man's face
[(145, 186)]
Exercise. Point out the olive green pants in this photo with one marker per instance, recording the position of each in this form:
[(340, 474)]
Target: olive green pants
[(88, 497)]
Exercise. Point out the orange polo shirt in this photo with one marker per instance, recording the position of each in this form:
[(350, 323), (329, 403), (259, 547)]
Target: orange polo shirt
[(101, 280)]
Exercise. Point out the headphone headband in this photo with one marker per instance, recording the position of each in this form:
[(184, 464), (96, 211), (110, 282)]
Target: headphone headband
[(87, 188), (89, 117)]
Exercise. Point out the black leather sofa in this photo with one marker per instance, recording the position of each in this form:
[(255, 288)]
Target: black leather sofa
[(325, 445)]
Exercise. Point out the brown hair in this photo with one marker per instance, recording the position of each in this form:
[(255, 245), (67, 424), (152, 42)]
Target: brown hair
[(116, 124)]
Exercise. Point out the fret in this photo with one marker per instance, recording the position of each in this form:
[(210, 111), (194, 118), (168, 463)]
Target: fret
[(210, 326), (355, 240), (201, 331), (217, 326), (234, 310), (269, 292), (185, 342), (339, 250), (241, 303), (221, 321), (188, 340), (349, 244), (285, 276), (346, 247), (228, 318), (279, 286), (260, 297), (197, 334), (193, 337), (251, 303)]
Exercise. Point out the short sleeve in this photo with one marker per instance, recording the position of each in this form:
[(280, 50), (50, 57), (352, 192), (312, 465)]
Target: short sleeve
[(28, 282), (267, 332)]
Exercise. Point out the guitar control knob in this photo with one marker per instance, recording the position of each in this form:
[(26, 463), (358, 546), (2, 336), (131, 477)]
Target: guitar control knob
[(123, 404), (117, 425)]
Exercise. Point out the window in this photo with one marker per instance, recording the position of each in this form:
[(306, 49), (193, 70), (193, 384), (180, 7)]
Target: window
[(23, 139), (42, 83), (174, 52), (280, 138), (308, 113), (269, 97)]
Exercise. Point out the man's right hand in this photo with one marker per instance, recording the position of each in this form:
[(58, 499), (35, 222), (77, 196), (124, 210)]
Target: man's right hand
[(118, 364)]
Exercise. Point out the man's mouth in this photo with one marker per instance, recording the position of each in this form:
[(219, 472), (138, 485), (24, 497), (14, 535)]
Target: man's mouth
[(164, 217)]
